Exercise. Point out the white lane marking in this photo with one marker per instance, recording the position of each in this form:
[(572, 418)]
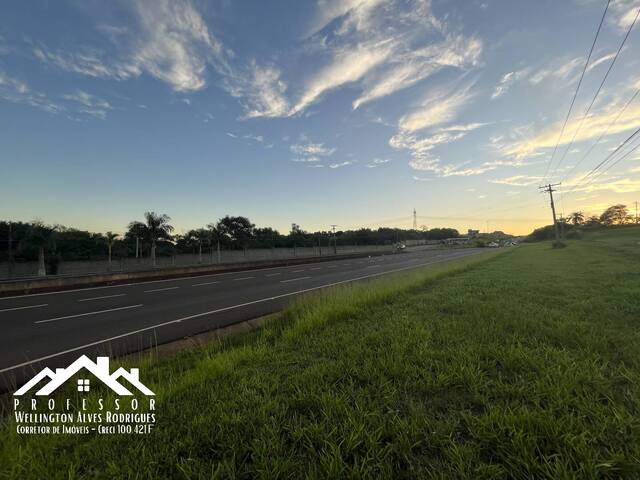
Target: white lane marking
[(205, 283), (242, 278), (294, 279), (373, 266), (331, 266), (297, 271), (212, 312), (273, 274), (316, 268), (100, 298), (23, 308), (160, 289), (88, 313), (346, 264)]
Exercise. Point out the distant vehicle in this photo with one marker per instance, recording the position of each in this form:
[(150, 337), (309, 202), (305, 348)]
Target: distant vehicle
[(493, 245), (399, 246)]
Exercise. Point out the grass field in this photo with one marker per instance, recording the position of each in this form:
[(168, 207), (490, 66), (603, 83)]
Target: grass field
[(524, 365)]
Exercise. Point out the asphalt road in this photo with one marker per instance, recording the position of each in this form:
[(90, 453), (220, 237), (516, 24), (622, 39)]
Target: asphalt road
[(52, 329)]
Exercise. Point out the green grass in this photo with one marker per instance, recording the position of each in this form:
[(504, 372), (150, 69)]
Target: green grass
[(522, 365)]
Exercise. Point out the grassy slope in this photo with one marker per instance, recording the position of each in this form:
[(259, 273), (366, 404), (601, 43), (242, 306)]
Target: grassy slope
[(525, 366)]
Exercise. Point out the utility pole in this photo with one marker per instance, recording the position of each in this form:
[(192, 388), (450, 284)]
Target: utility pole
[(549, 189), (137, 247), (10, 251), (636, 215), (335, 245), (415, 220)]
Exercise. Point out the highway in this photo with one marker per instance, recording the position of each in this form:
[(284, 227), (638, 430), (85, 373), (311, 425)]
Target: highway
[(54, 328)]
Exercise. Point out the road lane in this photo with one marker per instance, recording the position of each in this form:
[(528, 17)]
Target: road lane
[(140, 315)]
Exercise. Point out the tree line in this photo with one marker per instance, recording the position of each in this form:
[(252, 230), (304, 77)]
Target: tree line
[(614, 215), (153, 236)]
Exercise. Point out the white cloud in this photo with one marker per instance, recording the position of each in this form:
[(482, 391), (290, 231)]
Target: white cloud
[(346, 67), (435, 110), (91, 105), (306, 159), (600, 60), (376, 162), (312, 149), (16, 91), (340, 165), (517, 180), (624, 12), (413, 66), (171, 42), (507, 81), (261, 90)]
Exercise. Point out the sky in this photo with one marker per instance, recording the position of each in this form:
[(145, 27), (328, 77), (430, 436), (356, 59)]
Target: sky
[(346, 112)]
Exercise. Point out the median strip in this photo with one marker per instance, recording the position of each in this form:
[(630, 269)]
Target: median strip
[(88, 313)]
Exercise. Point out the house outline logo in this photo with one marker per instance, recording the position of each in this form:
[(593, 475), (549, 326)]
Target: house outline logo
[(99, 368)]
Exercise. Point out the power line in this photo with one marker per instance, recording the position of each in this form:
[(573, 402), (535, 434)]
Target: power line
[(603, 134), (614, 163), (577, 90), (606, 75), (597, 167)]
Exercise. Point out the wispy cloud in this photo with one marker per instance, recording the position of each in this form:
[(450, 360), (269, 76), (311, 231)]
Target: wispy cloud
[(17, 91), (376, 162), (261, 90), (90, 104), (340, 165), (312, 149), (346, 67), (593, 126), (517, 180), (171, 42), (507, 81), (437, 108), (413, 66)]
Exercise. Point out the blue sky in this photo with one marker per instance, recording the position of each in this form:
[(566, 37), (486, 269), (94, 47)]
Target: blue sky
[(348, 112)]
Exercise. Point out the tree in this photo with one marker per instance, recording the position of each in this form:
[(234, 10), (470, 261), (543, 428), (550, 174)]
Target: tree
[(235, 231), (137, 233), (40, 236), (577, 218), (201, 235), (156, 227), (110, 236), (615, 215), (592, 221)]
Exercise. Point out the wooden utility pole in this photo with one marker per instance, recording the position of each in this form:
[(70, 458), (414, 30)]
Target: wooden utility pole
[(549, 189)]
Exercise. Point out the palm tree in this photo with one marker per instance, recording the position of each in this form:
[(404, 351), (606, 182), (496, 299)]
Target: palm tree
[(576, 218), (110, 239), (158, 228)]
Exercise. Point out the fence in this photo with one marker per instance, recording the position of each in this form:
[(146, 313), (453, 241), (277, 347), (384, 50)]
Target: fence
[(23, 270)]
